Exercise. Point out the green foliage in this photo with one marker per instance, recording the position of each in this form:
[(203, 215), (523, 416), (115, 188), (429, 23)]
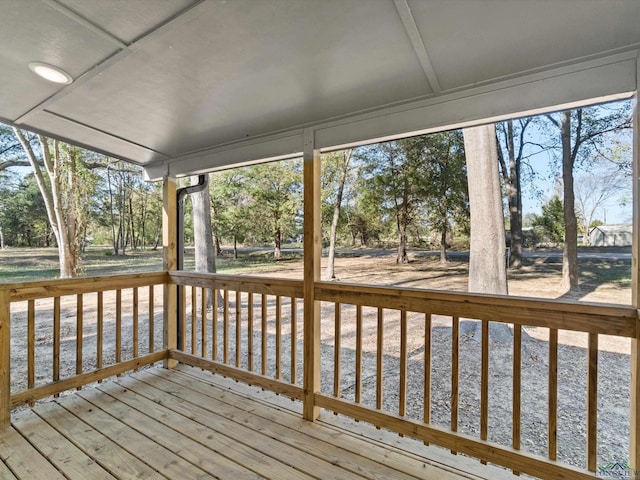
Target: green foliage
[(23, 217), (551, 221), (417, 185)]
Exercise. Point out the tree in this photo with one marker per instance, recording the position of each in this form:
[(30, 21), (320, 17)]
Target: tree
[(336, 165), (582, 132), (552, 219), (513, 142), (230, 202), (392, 175), (592, 191), (487, 254), (445, 178), (64, 192), (276, 192)]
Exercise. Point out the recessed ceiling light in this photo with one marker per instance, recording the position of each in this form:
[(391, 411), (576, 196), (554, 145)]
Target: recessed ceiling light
[(50, 73)]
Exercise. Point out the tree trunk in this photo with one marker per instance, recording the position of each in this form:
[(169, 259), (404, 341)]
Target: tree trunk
[(402, 245), (202, 231), (277, 240), (570, 251), (51, 196), (514, 197), (487, 269), (402, 218), (202, 234), (235, 247), (330, 270), (443, 242), (487, 254)]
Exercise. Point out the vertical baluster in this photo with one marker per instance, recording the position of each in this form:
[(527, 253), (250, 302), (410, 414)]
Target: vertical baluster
[(263, 319), (484, 383), (225, 327), (402, 403), (426, 410), (56, 339), (136, 339), (182, 344), (214, 325), (79, 332), (553, 393), (250, 331), (278, 337), (152, 326), (358, 353), (294, 340), (5, 359), (455, 360), (194, 319), (337, 350), (118, 326), (592, 403), (238, 328), (99, 329), (31, 344), (517, 387), (203, 327), (379, 358)]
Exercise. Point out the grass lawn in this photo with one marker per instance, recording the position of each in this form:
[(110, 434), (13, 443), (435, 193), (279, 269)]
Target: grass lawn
[(603, 279)]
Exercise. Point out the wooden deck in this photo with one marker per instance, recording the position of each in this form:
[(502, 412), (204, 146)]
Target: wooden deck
[(189, 424)]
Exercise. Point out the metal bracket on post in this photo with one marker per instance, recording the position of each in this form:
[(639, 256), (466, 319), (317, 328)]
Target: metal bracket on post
[(181, 195)]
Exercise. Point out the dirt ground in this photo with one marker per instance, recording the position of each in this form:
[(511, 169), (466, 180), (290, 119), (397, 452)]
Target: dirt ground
[(613, 368)]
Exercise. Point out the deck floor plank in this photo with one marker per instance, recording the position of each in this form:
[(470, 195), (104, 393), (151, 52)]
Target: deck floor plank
[(63, 454), (110, 455), (23, 459), (176, 432), (161, 459), (252, 436), (347, 442), (229, 405), (188, 424)]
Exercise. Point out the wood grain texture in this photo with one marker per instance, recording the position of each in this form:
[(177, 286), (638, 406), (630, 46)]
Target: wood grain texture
[(615, 320)]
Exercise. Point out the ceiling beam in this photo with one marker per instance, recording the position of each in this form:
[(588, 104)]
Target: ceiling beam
[(411, 28)]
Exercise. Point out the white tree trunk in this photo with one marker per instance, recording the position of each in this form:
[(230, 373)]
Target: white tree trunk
[(202, 231), (487, 272)]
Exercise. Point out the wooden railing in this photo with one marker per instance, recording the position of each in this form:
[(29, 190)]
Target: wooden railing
[(408, 315), (63, 334), (381, 353), (235, 326)]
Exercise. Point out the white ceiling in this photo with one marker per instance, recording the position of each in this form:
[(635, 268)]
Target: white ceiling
[(170, 84)]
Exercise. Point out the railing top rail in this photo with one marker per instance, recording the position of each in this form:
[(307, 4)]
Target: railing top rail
[(252, 284), (608, 319), (60, 287)]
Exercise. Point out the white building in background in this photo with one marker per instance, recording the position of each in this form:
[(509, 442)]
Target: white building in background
[(611, 236)]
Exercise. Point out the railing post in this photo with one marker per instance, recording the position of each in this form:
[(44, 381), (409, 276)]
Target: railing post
[(312, 251), (169, 262), (5, 360), (634, 441)]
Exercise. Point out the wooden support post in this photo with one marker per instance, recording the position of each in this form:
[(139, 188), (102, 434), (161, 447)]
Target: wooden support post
[(169, 262), (312, 251), (5, 360), (634, 441)]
